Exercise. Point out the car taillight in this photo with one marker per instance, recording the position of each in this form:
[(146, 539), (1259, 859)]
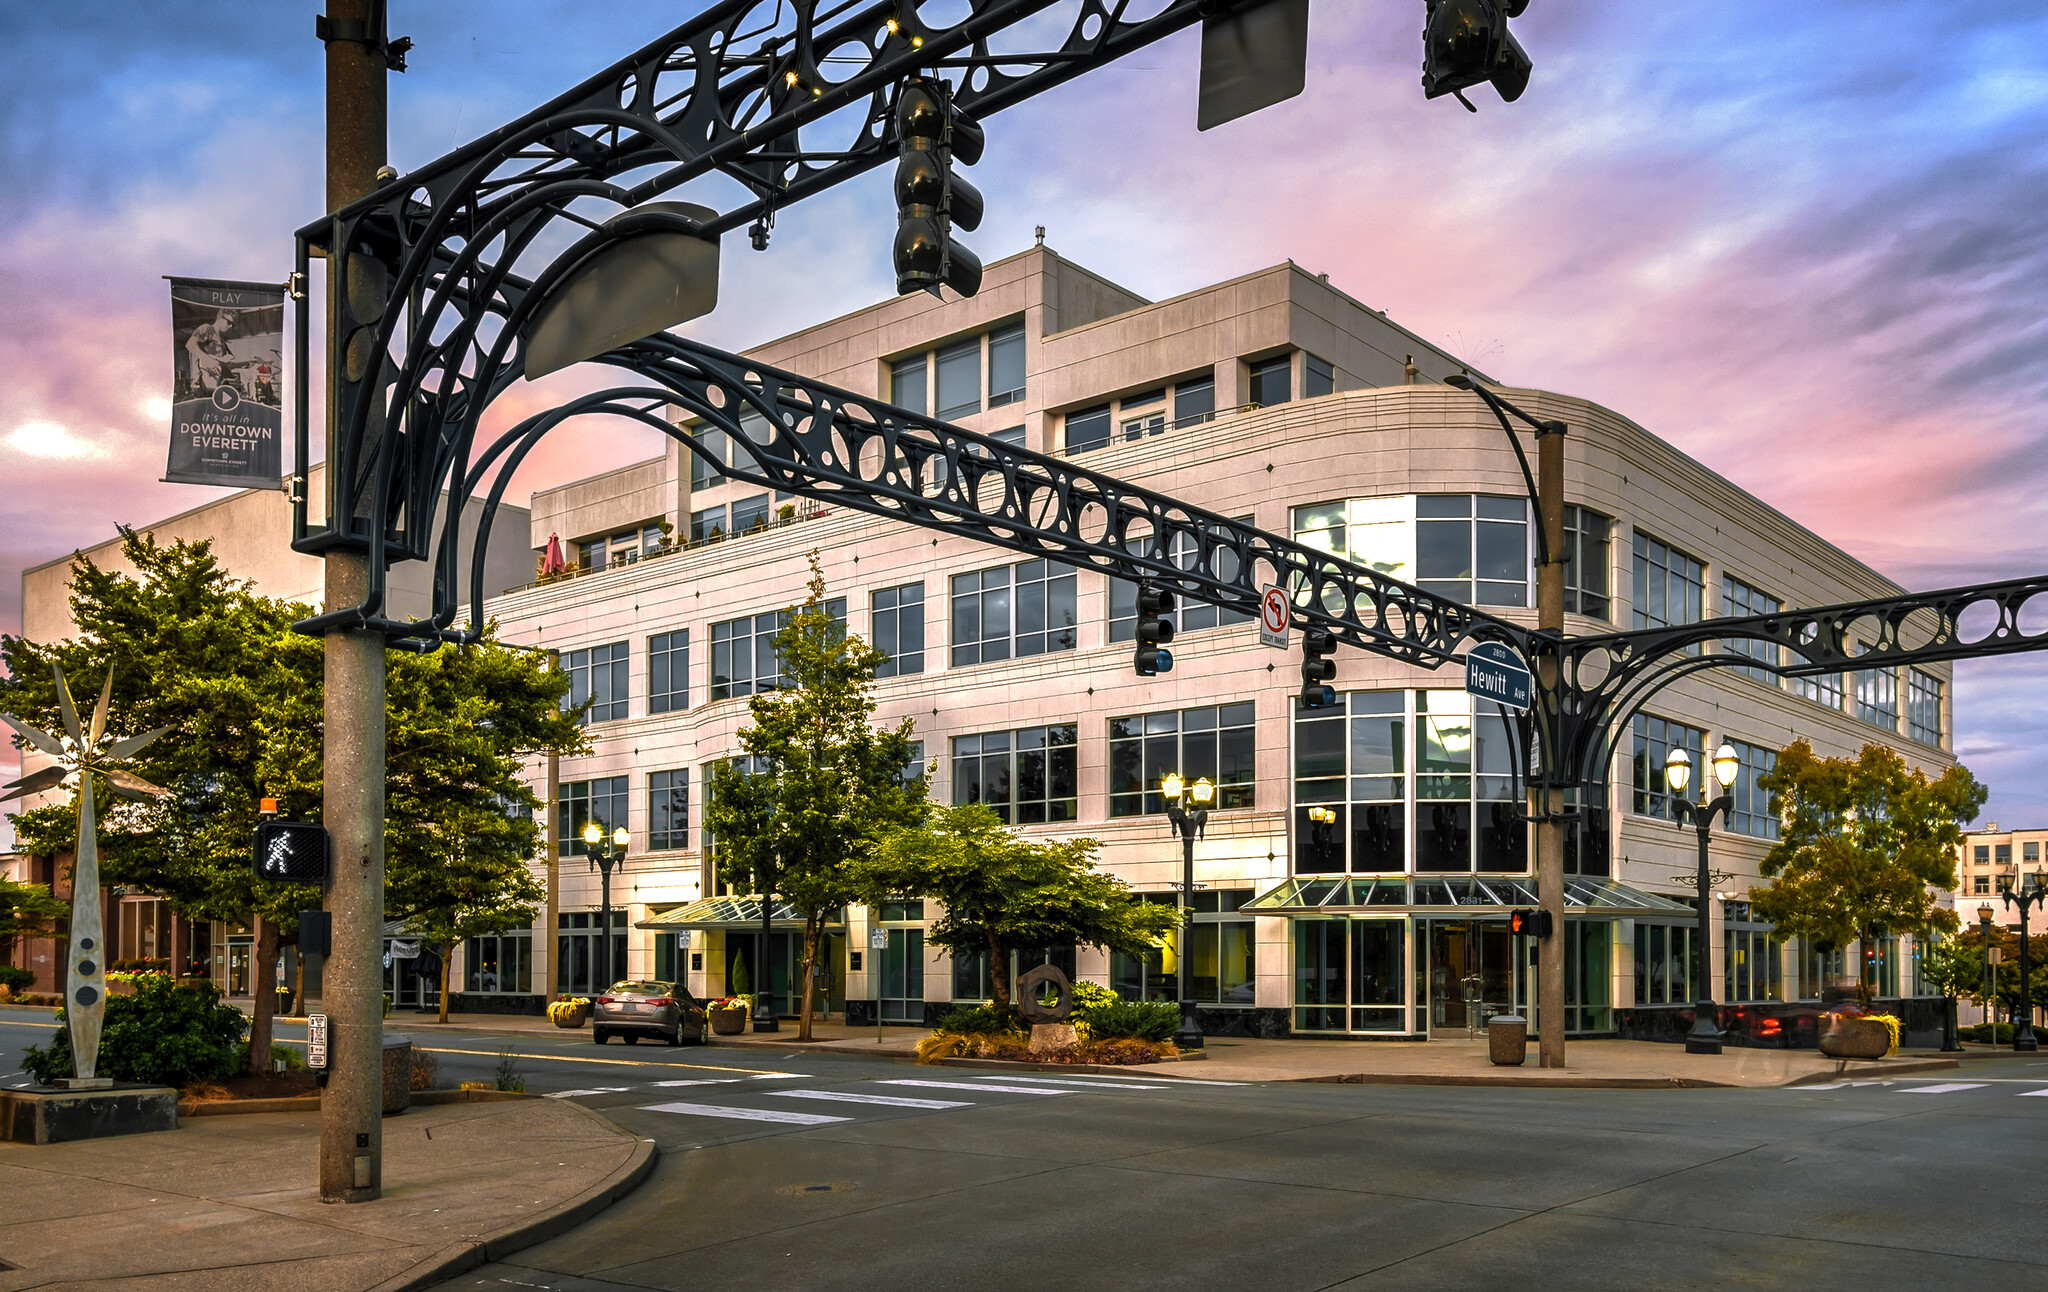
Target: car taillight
[(1770, 1027), (604, 1000), (661, 1000)]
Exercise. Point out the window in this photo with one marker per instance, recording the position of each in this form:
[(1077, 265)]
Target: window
[(1981, 885), (583, 964), (1983, 854), (599, 676), (1317, 376), (668, 672), (713, 451), (1484, 563), (906, 384), (1877, 697), (1190, 616), (896, 628), (2030, 851), (1143, 415), (743, 655), (1352, 765), (1669, 585), (1010, 435), (1216, 742), (499, 962), (2004, 854), (1027, 776), (708, 525), (1923, 709), (582, 802), (1012, 611), (1664, 955), (1586, 562), (1822, 688), (1752, 813), (668, 810), (1221, 949), (913, 768), (1654, 740), (1740, 601), (1271, 381), (750, 514), (959, 380), (590, 555), (1194, 402), (1006, 366), (1088, 429)]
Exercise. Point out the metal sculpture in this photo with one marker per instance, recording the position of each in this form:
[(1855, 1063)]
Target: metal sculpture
[(83, 753), (1035, 980)]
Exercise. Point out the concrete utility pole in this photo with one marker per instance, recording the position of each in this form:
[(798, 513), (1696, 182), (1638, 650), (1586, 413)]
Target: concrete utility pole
[(1550, 832), (552, 850), (351, 1134)]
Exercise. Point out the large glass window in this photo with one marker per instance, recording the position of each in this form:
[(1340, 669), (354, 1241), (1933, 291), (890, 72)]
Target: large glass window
[(668, 672), (1027, 776), (1189, 616), (1271, 381), (1663, 963), (1670, 587), (597, 675), (1479, 559), (668, 810), (1654, 740), (1143, 415), (959, 383), (1822, 688), (744, 660), (1877, 697), (1586, 590), (1087, 429), (1318, 377), (1194, 401), (1218, 742), (1006, 366), (1754, 963), (1923, 707), (707, 525), (499, 963), (906, 384), (1012, 612), (1741, 601), (1348, 975), (1752, 813), (897, 629), (713, 452), (582, 802), (583, 965)]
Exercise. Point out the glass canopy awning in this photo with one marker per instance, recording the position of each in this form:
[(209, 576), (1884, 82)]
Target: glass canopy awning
[(731, 913), (1584, 896)]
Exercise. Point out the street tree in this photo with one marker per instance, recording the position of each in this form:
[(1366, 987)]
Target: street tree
[(1866, 844), (1003, 892), (821, 785), (196, 650), (1951, 966), (26, 911)]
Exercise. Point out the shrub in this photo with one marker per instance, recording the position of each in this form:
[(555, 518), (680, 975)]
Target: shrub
[(1087, 995), (982, 1020), (507, 1077), (164, 1034), (1143, 1020), (426, 1070), (16, 979), (292, 1060)]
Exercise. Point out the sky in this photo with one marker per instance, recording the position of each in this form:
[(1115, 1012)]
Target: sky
[(1792, 240)]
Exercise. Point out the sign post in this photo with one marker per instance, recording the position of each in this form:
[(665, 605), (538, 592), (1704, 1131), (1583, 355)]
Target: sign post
[(1496, 671), (878, 944), (1274, 615)]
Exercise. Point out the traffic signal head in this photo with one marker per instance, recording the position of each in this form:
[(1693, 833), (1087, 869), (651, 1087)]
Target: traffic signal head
[(1153, 631), (1465, 42), (1529, 924), (1317, 668), (291, 852), (931, 201)]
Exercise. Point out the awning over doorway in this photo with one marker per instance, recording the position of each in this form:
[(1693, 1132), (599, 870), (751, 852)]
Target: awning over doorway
[(1308, 894), (742, 913)]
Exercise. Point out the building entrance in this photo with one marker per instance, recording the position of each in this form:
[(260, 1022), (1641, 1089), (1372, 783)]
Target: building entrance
[(1473, 975)]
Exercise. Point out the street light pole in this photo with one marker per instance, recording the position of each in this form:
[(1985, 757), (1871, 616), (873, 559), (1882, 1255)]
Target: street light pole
[(2023, 1024), (1188, 824), (605, 852), (1984, 913), (1706, 1035)]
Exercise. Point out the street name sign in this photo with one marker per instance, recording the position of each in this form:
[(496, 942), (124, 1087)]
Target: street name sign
[(1496, 671), (1273, 617)]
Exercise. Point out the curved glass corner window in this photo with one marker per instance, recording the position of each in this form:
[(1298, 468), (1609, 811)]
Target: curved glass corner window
[(1473, 549)]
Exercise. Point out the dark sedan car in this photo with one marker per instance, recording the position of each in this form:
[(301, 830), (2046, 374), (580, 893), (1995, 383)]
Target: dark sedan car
[(659, 1009)]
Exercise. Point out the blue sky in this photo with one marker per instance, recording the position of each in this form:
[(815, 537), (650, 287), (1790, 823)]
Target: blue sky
[(1804, 243)]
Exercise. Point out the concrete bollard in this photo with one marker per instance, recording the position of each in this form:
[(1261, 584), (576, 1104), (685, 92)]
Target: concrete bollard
[(397, 1073), (1507, 1039)]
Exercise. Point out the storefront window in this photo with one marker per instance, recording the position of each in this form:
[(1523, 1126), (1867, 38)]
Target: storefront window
[(1588, 946), (499, 963), (1663, 963), (1348, 975)]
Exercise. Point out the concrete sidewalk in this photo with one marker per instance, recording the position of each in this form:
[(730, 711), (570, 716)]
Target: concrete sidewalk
[(232, 1202)]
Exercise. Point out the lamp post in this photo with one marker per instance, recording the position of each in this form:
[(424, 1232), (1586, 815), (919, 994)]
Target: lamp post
[(2023, 1017), (1984, 913), (605, 853), (1187, 807), (1706, 1036)]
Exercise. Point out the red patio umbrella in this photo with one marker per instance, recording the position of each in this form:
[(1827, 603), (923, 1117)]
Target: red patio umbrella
[(553, 563)]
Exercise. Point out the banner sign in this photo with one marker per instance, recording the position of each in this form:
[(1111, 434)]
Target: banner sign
[(227, 405)]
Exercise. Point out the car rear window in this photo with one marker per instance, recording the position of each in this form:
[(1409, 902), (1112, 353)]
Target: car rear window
[(640, 989)]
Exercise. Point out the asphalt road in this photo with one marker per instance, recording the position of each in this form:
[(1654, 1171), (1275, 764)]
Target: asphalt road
[(822, 1172)]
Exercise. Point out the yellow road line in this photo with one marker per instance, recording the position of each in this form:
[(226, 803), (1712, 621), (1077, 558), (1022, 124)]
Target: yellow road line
[(15, 1022)]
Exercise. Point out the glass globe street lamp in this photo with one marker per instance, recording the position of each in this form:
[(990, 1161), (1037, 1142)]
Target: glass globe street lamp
[(606, 852), (1706, 1035), (1187, 807)]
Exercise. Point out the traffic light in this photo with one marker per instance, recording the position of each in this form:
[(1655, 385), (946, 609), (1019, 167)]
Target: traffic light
[(931, 201), (1153, 632), (1529, 924), (1465, 42), (1317, 668)]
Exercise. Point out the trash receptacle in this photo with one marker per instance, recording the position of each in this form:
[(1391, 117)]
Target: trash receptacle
[(1507, 1039), (397, 1073)]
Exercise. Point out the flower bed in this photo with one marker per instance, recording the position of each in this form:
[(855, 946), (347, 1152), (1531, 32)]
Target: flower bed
[(1120, 1051)]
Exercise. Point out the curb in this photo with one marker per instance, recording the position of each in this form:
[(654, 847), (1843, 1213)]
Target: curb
[(1521, 1083), (458, 1257), (311, 1103), (1023, 1065)]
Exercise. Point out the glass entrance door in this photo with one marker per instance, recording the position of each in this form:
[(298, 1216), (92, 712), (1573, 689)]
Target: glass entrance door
[(1472, 976)]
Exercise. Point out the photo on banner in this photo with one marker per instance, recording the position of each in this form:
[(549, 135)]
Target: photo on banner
[(227, 387)]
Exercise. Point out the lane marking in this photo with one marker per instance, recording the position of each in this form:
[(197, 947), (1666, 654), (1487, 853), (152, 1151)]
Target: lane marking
[(616, 1063), (2029, 1094), (701, 1081), (745, 1114), (1946, 1087), (892, 1101), (1084, 1085), (17, 1022), (600, 1090), (963, 1085)]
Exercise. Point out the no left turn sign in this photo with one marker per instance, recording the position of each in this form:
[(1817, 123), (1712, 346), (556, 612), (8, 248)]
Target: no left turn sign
[(1274, 614)]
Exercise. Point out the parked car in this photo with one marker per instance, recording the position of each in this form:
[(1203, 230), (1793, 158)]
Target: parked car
[(637, 1009)]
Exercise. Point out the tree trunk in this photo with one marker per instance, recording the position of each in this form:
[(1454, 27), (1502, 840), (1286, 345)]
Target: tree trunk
[(264, 985), (998, 974), (812, 930), (447, 963)]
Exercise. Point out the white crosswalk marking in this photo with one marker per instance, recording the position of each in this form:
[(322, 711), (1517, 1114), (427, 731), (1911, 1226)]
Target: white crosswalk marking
[(965, 1085), (745, 1114), (1084, 1085), (600, 1090), (1946, 1087), (702, 1081), (892, 1101), (2028, 1094)]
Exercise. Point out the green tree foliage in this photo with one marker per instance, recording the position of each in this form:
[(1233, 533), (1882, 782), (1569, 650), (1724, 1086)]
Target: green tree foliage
[(1003, 892), (1866, 843), (1952, 967), (26, 911), (163, 1034), (827, 783), (196, 650)]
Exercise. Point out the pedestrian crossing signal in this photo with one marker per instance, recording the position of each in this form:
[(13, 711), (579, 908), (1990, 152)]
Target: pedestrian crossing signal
[(291, 852), (1529, 924)]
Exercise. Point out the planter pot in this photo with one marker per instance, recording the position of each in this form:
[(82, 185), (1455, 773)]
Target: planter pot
[(1842, 1037), (728, 1022), (569, 1017)]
